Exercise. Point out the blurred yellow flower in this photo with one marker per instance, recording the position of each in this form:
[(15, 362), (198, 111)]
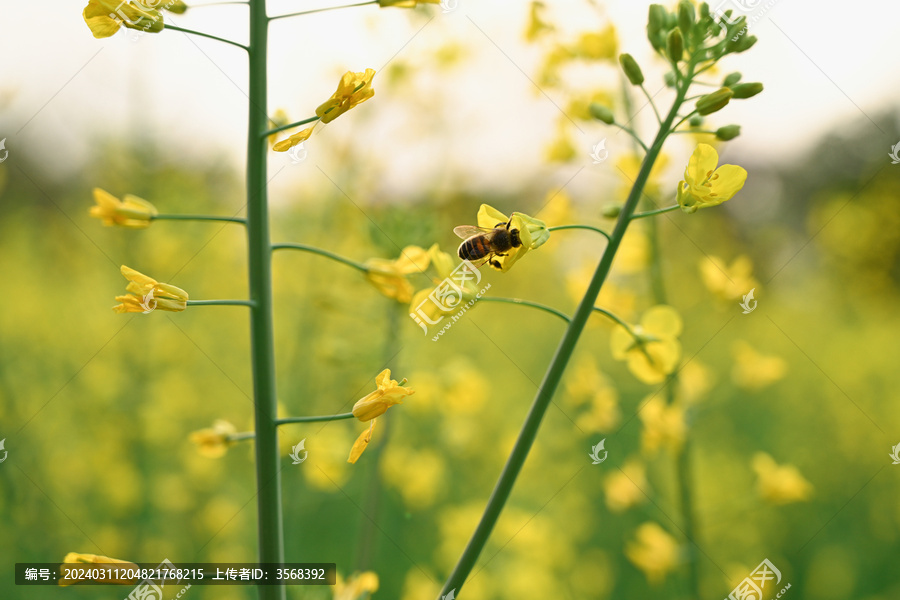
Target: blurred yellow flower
[(131, 211), (694, 381), (353, 89), (145, 294), (654, 552), (780, 484), (558, 208), (705, 185), (753, 370), (630, 165), (532, 233), (664, 425), (214, 442), (406, 3), (375, 404), (105, 17), (561, 149), (279, 119), (417, 474), (728, 282), (597, 45), (548, 75), (355, 586), (653, 351), (579, 105), (389, 276), (536, 25), (102, 563), (634, 252), (298, 138), (588, 385), (626, 487)]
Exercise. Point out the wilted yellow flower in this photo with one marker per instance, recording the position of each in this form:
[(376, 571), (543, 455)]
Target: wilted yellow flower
[(654, 552), (597, 45), (298, 138), (536, 25), (406, 3), (704, 184), (664, 425), (131, 211), (389, 276), (753, 370), (353, 89), (105, 17), (653, 351), (626, 488), (780, 484), (355, 586), (375, 404), (728, 282), (101, 563), (214, 442), (532, 233), (146, 294)]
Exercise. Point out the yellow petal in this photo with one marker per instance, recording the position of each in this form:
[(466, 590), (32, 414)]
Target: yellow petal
[(361, 443), (701, 165), (297, 138), (662, 321)]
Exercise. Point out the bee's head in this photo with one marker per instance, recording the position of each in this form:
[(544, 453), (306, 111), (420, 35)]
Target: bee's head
[(514, 238)]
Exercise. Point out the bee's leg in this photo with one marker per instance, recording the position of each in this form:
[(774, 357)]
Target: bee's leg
[(501, 225), (496, 264)]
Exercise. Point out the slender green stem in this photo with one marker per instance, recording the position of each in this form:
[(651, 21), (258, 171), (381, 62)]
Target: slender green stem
[(240, 220), (240, 437), (206, 35), (316, 419), (658, 211), (249, 303), (694, 131), (536, 305), (320, 252), (653, 104), (633, 134), (259, 245), (617, 319), (685, 118), (588, 227), (557, 367), (269, 132), (315, 10), (219, 3)]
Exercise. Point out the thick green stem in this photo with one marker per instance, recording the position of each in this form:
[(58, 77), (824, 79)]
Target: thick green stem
[(268, 472), (320, 252), (536, 305), (240, 220), (557, 367)]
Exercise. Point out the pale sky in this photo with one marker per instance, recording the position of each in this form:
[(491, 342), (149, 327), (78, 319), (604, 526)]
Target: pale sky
[(824, 65)]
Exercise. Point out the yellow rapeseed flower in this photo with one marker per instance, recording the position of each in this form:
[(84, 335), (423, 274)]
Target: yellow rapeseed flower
[(664, 425), (536, 25), (532, 233), (597, 45), (102, 563), (753, 370), (561, 149), (704, 184), (146, 294), (131, 211), (298, 138), (279, 119), (355, 586), (654, 552), (728, 282), (105, 17), (653, 351), (390, 276), (375, 404), (780, 484), (626, 487), (405, 3), (353, 89), (214, 442)]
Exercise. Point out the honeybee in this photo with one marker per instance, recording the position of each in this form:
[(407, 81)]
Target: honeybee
[(481, 245)]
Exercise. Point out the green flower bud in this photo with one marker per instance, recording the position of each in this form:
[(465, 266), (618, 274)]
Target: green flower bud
[(669, 78), (704, 10), (695, 121), (612, 211), (716, 101), (746, 90), (686, 17), (675, 45), (601, 113), (745, 42), (631, 68), (731, 79), (728, 132), (656, 26)]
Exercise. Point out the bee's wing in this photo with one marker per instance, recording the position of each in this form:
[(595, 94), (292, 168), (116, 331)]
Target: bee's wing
[(467, 231)]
